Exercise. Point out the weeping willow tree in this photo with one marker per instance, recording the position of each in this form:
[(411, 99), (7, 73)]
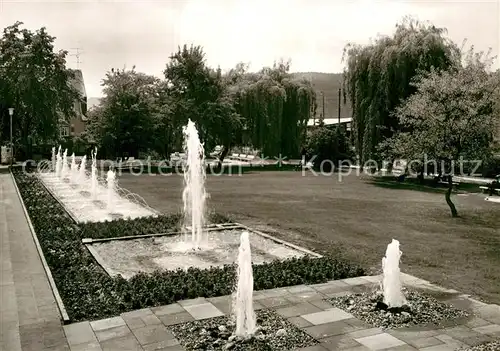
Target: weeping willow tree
[(275, 108), (377, 77)]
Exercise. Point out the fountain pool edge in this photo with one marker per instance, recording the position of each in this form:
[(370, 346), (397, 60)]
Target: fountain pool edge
[(60, 304), (67, 210), (87, 242)]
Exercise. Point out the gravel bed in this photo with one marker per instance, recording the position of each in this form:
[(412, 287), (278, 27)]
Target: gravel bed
[(274, 334), (489, 346), (420, 310)]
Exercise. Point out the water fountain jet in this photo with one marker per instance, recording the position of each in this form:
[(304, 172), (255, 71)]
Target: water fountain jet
[(243, 299), (93, 175), (391, 283), (64, 169), (58, 162), (110, 180), (73, 169), (194, 194)]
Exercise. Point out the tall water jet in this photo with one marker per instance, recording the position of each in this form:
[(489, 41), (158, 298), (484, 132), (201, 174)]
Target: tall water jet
[(194, 194), (391, 283), (81, 170), (53, 159), (93, 175), (73, 169), (110, 180), (243, 301), (58, 162), (64, 169)]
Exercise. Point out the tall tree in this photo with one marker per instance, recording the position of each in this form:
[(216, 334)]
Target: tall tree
[(124, 121), (197, 92), (451, 117), (378, 76), (275, 107), (34, 81)]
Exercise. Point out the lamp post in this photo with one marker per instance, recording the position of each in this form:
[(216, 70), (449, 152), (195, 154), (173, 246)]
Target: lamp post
[(11, 112)]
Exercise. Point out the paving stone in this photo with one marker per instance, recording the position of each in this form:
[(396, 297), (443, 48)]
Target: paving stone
[(450, 341), (401, 348), (477, 322), (113, 333), (79, 333), (271, 302), (322, 331), (168, 309), (128, 343), (380, 341), (153, 334), (171, 319), (298, 289), (297, 310), (339, 342), (321, 304), (357, 324), (332, 315), (476, 340), (203, 311), (491, 329), (424, 342), (313, 348), (299, 322), (163, 345), (439, 348), (337, 294), (460, 332), (307, 296), (365, 332), (355, 281), (107, 323), (275, 292), (191, 302), (488, 312), (136, 314), (91, 346)]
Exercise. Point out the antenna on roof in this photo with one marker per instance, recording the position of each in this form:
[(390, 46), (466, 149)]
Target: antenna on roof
[(77, 55)]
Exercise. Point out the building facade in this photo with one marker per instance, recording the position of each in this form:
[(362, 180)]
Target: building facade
[(76, 125)]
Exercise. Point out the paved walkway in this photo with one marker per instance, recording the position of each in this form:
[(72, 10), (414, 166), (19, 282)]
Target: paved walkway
[(305, 307), (30, 320), (29, 317)]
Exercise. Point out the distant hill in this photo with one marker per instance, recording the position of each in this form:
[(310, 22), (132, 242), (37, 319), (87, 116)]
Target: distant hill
[(329, 84)]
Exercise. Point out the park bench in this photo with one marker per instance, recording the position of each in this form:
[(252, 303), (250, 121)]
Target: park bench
[(486, 189)]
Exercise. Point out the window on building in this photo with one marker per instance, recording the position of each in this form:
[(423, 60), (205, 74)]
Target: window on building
[(72, 129), (65, 131)]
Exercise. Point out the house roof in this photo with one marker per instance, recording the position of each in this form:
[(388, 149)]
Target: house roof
[(78, 82), (328, 121)]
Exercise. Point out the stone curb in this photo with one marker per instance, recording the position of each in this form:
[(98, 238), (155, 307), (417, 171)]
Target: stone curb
[(53, 287)]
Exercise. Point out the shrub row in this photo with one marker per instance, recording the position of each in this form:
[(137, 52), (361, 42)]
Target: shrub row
[(89, 293)]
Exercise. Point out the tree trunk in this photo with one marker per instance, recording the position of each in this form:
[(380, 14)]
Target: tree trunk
[(447, 196)]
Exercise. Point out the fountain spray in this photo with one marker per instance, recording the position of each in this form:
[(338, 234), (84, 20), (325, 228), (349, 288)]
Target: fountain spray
[(110, 179), (73, 168), (194, 194), (58, 162), (392, 287), (81, 170), (93, 175), (53, 158), (243, 300), (64, 170)]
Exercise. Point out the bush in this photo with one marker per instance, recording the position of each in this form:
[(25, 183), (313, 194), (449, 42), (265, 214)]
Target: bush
[(88, 292), (327, 143)]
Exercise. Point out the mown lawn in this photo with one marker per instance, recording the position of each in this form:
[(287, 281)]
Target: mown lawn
[(358, 216)]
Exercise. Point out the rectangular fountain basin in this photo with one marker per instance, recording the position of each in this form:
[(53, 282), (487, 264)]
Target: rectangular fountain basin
[(129, 256), (82, 207)]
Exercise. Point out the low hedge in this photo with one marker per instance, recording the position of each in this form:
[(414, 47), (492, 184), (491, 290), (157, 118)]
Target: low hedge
[(89, 293)]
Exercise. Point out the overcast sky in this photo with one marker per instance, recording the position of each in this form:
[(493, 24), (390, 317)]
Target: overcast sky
[(311, 33)]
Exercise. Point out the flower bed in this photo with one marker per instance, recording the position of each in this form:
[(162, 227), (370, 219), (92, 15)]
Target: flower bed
[(88, 292), (420, 310), (274, 333)]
